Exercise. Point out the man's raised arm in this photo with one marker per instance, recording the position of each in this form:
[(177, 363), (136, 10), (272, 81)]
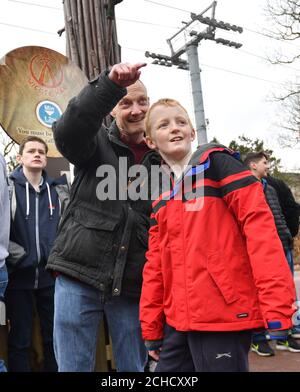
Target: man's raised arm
[(75, 132)]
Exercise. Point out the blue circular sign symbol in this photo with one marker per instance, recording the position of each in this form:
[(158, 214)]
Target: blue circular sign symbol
[(47, 113)]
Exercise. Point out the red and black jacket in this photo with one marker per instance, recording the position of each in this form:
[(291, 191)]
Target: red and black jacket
[(215, 262)]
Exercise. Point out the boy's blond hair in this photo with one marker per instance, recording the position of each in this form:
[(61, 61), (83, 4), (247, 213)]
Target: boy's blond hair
[(163, 102)]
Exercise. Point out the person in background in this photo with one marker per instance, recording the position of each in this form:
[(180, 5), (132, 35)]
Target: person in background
[(35, 210), (215, 267), (99, 253), (4, 240), (258, 163), (291, 211)]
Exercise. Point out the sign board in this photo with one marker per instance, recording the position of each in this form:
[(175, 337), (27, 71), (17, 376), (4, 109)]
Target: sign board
[(36, 85)]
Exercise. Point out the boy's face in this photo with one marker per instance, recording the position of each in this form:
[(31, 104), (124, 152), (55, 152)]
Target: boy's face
[(33, 156), (261, 168), (171, 132), (130, 112)]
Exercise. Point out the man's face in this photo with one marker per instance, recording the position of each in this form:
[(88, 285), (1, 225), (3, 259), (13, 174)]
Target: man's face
[(171, 132), (33, 156), (262, 168), (130, 112)]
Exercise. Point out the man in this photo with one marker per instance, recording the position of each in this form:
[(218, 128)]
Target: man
[(259, 166), (99, 253), (4, 239), (35, 211)]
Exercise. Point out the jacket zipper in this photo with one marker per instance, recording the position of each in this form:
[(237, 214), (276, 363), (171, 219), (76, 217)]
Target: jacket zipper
[(37, 240)]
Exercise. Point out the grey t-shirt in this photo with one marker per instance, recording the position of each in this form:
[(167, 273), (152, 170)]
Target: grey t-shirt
[(4, 212)]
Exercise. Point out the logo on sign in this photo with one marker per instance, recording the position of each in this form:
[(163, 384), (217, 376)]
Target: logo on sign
[(47, 113), (46, 71)]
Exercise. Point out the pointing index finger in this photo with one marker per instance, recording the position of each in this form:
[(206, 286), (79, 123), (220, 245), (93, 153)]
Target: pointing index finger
[(140, 65)]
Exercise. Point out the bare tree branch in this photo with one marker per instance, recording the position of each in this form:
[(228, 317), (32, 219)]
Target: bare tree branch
[(285, 15)]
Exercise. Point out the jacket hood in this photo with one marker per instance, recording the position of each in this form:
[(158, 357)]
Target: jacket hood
[(18, 176), (203, 152)]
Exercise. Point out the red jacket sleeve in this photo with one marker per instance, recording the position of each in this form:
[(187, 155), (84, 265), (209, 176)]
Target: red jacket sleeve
[(272, 276), (151, 302)]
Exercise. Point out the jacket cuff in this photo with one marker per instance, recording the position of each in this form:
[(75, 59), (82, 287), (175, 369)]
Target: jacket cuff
[(103, 77), (153, 344), (279, 335), (279, 324)]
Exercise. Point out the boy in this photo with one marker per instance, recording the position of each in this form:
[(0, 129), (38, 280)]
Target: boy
[(215, 267), (35, 211)]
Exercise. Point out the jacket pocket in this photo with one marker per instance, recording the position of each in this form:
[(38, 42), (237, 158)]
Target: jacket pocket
[(87, 236), (217, 269), (16, 254), (94, 221)]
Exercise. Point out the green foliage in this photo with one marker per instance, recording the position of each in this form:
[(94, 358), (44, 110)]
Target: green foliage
[(214, 140), (244, 145)]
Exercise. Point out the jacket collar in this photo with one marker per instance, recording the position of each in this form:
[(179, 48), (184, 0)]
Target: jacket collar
[(114, 137), (202, 153), (18, 176)]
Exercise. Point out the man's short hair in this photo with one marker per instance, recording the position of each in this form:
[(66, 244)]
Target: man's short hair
[(255, 157), (32, 139)]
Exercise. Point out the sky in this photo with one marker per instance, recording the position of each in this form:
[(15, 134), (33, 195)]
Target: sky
[(238, 84)]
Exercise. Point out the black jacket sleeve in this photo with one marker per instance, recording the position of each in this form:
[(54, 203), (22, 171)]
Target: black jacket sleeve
[(289, 206), (75, 133), (281, 226)]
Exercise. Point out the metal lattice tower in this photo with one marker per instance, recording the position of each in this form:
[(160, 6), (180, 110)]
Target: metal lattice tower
[(192, 30)]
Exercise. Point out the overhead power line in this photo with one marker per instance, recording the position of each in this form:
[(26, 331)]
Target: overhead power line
[(35, 4), (26, 28), (241, 74), (159, 25), (267, 60), (271, 37), (165, 5), (150, 24), (241, 50), (122, 19), (245, 28), (221, 69), (141, 50), (147, 23)]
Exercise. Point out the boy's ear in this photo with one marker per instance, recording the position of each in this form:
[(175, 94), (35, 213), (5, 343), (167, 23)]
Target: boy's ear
[(19, 159), (113, 112), (193, 135), (150, 143)]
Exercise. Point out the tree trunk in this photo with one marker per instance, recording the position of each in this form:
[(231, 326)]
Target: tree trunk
[(91, 35)]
